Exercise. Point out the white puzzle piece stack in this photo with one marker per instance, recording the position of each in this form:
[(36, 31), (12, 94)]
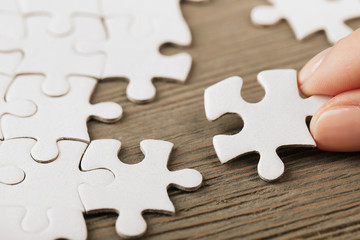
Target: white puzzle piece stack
[(309, 16), (48, 72), (278, 120)]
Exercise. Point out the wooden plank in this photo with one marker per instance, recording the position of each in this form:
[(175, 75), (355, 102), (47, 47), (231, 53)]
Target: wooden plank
[(317, 198)]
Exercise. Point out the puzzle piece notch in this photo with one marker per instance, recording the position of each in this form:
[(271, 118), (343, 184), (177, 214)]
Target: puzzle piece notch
[(55, 57), (137, 59), (55, 200), (309, 16), (57, 118), (282, 107), (61, 13), (137, 188)]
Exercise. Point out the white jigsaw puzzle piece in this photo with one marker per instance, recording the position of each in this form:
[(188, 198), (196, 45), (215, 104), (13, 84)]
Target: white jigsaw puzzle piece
[(138, 60), (278, 120), (137, 188), (57, 118), (49, 192), (18, 108), (10, 217), (309, 16), (62, 12), (137, 29), (55, 57)]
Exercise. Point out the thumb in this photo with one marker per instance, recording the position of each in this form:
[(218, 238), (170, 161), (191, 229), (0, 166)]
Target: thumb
[(336, 126)]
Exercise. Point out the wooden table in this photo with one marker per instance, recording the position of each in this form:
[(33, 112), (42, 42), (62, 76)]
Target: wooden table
[(319, 195)]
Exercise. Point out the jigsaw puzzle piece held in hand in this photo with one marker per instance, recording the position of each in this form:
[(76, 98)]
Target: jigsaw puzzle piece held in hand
[(62, 12), (57, 118), (278, 120), (55, 57), (309, 16), (137, 188), (49, 192)]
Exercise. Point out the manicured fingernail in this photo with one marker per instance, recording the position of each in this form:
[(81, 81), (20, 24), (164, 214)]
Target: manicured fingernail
[(338, 129), (312, 66)]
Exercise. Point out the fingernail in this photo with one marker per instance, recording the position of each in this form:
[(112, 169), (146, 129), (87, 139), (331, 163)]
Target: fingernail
[(338, 129), (312, 66)]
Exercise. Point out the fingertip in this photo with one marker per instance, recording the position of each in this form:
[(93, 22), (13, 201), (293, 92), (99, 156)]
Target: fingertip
[(336, 126), (334, 70)]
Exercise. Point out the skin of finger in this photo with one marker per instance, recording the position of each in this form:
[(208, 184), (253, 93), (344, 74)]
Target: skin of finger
[(339, 71), (343, 139)]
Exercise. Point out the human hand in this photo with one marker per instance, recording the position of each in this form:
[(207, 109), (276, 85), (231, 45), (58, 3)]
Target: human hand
[(336, 72)]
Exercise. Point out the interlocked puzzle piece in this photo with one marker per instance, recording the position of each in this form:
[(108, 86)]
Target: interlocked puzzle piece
[(19, 107), (58, 228), (309, 16), (55, 57), (62, 12), (278, 120), (49, 193), (132, 49), (137, 188), (57, 118)]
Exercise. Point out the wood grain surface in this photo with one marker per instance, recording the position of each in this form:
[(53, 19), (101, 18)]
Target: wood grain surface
[(319, 195)]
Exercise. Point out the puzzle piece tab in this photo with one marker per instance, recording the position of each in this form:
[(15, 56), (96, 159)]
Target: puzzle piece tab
[(11, 175), (17, 107), (57, 118), (137, 188), (49, 192), (278, 120), (55, 57), (62, 12), (309, 16)]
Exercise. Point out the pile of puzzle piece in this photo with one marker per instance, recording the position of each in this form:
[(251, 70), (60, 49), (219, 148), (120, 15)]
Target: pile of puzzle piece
[(52, 55)]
